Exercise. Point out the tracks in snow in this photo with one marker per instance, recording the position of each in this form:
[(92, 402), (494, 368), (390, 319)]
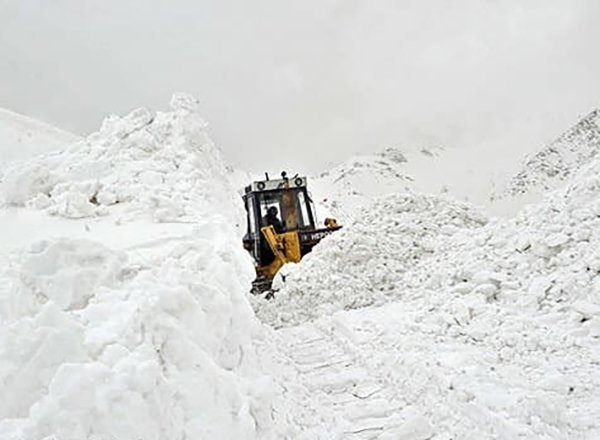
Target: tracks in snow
[(347, 396), (388, 373)]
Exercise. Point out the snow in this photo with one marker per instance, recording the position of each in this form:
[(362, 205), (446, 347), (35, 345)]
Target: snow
[(22, 137), (554, 164), (475, 176), (153, 338), (125, 312), (160, 164), (493, 334), (365, 262), (355, 182)]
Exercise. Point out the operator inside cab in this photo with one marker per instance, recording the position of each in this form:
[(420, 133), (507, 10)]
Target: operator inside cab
[(272, 219)]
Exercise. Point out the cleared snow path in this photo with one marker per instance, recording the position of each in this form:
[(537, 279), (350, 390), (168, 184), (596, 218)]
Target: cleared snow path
[(386, 373), (344, 383), (360, 401)]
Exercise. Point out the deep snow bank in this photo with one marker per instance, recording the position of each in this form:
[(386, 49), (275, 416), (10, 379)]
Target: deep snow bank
[(164, 164), (526, 291), (96, 344), (364, 263), (509, 312)]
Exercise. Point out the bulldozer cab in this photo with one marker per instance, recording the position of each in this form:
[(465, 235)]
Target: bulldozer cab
[(293, 210), (281, 226)]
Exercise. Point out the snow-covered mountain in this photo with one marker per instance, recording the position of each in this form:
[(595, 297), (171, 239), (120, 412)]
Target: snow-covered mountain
[(554, 164), (22, 137), (355, 182), (489, 179), (466, 175)]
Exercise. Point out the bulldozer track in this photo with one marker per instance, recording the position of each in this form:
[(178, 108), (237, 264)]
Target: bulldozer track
[(359, 402)]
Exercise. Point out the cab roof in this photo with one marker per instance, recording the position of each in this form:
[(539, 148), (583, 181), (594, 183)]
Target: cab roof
[(275, 184)]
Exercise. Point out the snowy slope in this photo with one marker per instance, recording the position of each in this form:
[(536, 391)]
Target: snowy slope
[(468, 175), (492, 333), (557, 162), (354, 183), (22, 137), (123, 310), (135, 165)]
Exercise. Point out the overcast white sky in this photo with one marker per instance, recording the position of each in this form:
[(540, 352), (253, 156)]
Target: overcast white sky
[(300, 84)]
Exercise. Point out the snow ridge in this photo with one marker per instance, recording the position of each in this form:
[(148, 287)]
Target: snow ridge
[(135, 164), (561, 159), (154, 342), (354, 183), (22, 137)]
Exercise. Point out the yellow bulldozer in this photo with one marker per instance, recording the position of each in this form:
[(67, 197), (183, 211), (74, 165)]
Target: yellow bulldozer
[(272, 240)]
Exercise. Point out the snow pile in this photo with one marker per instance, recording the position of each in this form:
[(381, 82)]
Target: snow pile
[(94, 348), (495, 334), (22, 137), (557, 162), (364, 263), (163, 164), (525, 293), (97, 343)]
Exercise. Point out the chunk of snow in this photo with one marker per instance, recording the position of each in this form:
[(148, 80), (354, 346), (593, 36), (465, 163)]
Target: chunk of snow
[(557, 239)]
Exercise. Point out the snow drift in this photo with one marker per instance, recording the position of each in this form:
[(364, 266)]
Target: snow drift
[(163, 165), (526, 292), (95, 344), (364, 263), (497, 327)]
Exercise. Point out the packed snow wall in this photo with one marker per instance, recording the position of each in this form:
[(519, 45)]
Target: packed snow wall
[(160, 164), (98, 343)]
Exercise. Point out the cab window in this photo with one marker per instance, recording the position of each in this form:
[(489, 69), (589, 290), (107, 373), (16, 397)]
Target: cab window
[(267, 201), (251, 216), (304, 221)]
